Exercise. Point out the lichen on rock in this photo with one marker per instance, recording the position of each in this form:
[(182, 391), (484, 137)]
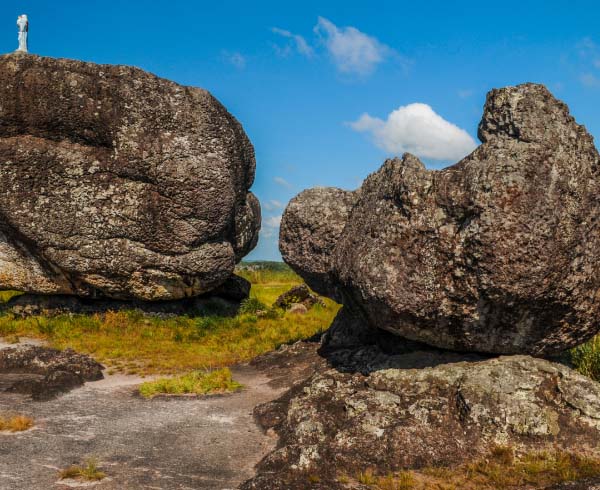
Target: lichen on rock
[(425, 409), (118, 184), (497, 253)]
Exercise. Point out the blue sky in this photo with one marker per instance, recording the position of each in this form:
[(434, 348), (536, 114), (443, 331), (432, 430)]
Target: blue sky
[(327, 90)]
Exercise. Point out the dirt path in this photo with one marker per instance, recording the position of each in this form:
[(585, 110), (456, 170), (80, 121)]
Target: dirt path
[(206, 443)]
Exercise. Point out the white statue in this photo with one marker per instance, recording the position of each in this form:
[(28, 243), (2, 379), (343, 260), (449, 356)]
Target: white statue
[(23, 24)]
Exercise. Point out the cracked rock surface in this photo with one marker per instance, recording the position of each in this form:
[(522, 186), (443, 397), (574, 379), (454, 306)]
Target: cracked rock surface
[(116, 183), (497, 253), (424, 408)]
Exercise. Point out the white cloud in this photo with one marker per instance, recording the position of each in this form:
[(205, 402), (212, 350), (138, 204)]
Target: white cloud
[(236, 59), (270, 226), (273, 221), (282, 182), (352, 51), (417, 129), (465, 94), (298, 41)]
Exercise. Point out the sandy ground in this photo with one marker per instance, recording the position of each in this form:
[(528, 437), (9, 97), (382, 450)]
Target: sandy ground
[(164, 443)]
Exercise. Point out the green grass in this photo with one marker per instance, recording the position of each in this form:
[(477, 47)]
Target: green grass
[(196, 382), (586, 358), (134, 343), (89, 472)]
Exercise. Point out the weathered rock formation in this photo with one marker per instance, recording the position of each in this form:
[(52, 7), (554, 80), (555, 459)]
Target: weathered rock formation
[(116, 183), (43, 372), (298, 295), (424, 409), (498, 253)]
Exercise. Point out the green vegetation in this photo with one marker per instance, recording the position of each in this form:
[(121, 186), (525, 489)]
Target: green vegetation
[(134, 343), (586, 358), (501, 469), (15, 423), (89, 472), (6, 295), (196, 382)]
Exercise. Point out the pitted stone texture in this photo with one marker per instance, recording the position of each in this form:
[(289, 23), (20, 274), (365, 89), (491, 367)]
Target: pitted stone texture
[(117, 183), (498, 253), (446, 414)]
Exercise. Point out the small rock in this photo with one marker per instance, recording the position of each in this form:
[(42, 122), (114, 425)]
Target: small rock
[(298, 309), (298, 294)]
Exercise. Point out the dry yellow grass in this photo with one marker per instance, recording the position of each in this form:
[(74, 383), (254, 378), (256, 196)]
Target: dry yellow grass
[(134, 343), (501, 469), (15, 423), (88, 472)]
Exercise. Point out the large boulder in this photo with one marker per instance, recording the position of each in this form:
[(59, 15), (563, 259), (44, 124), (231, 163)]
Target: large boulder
[(424, 409), (118, 184), (498, 253)]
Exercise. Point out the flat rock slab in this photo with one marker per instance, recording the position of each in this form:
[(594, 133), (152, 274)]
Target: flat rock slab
[(208, 443), (162, 443)]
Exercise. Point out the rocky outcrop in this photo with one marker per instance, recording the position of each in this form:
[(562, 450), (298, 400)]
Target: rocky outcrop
[(224, 300), (498, 253), (424, 409), (118, 184), (43, 372), (298, 295)]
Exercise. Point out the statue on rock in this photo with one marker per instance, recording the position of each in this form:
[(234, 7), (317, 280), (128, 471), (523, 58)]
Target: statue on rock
[(23, 24)]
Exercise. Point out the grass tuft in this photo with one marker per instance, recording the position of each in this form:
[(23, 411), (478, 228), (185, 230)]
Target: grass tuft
[(89, 472), (16, 423), (586, 358), (500, 469), (197, 382)]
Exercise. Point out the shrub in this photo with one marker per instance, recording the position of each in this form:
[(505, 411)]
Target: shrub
[(252, 306)]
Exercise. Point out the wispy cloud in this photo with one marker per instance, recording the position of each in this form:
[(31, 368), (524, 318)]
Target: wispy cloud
[(282, 182), (589, 80), (273, 221), (270, 226), (272, 205), (296, 42), (418, 129), (234, 58), (465, 93), (589, 53), (351, 50)]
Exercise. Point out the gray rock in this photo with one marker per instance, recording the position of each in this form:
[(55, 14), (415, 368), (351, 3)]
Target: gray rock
[(497, 253), (425, 409), (43, 372), (118, 184)]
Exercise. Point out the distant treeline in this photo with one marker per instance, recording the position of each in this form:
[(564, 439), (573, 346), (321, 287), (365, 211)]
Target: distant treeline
[(263, 265)]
